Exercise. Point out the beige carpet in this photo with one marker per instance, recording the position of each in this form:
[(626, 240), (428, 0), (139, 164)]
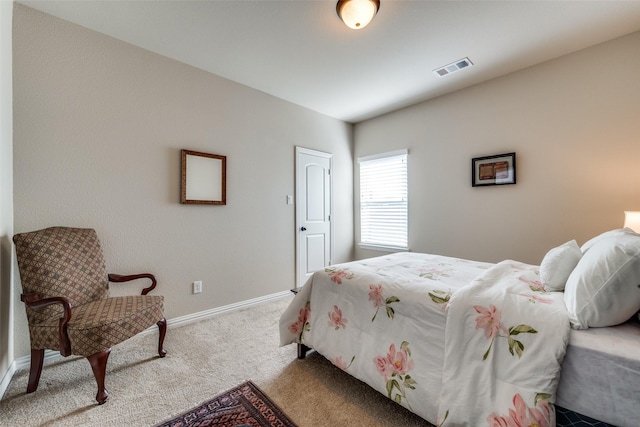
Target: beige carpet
[(204, 359)]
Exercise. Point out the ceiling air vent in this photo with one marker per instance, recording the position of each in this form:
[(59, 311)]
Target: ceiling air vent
[(453, 67)]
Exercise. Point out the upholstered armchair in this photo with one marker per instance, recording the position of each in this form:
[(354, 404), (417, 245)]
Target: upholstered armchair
[(66, 294)]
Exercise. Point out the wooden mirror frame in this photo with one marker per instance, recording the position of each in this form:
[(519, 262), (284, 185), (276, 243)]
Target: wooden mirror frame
[(204, 178)]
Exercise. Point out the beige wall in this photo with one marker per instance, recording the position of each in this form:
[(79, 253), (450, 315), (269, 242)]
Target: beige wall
[(6, 193), (99, 125), (574, 123)]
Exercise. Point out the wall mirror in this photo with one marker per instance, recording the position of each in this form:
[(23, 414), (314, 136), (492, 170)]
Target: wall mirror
[(204, 178)]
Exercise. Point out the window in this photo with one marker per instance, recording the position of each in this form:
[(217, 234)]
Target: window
[(383, 200)]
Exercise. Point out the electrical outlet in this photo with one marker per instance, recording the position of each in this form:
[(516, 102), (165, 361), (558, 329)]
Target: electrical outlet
[(197, 287)]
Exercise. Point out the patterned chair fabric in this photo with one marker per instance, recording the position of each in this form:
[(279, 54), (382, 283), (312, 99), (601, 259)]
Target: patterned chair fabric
[(61, 261), (68, 262), (100, 324)]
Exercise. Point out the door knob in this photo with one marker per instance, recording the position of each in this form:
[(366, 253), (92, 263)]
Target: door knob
[(303, 229)]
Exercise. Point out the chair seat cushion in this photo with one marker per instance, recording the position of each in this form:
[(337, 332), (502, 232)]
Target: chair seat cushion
[(44, 335), (101, 324)]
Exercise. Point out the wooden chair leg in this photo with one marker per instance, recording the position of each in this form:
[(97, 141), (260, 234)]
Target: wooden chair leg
[(162, 325), (37, 359), (98, 363)]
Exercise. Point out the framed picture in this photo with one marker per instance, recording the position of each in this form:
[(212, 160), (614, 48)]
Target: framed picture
[(204, 178), (493, 170)]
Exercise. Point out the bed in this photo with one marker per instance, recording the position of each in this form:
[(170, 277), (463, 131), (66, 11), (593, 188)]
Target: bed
[(462, 342)]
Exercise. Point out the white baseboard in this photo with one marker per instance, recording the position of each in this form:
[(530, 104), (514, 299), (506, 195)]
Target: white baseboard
[(183, 320), (50, 355), (4, 384)]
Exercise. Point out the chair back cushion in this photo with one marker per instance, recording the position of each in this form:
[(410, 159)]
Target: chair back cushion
[(61, 261)]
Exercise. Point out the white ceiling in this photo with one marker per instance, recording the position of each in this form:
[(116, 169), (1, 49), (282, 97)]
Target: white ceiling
[(300, 51)]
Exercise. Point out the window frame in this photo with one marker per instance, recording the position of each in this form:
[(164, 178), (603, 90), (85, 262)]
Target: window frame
[(381, 245)]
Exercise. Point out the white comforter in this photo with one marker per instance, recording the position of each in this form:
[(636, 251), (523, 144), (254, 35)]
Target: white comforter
[(455, 341), (504, 343)]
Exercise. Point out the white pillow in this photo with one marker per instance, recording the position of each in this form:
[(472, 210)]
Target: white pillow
[(557, 265), (603, 288), (606, 235)]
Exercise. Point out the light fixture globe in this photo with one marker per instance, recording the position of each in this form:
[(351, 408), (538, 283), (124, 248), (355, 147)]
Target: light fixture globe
[(632, 220), (357, 14)]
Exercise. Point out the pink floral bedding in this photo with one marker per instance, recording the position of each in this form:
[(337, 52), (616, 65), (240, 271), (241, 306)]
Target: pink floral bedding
[(457, 342), (513, 336)]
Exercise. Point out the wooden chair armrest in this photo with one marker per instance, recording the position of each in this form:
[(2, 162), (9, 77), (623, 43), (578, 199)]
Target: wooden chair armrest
[(117, 278), (33, 300)]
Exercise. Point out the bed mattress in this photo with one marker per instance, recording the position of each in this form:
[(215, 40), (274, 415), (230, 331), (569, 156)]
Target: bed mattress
[(600, 374)]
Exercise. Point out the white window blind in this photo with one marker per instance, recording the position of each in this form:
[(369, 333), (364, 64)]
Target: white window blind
[(383, 199)]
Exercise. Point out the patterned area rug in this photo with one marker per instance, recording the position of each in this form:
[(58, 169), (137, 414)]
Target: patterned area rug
[(567, 418), (243, 406)]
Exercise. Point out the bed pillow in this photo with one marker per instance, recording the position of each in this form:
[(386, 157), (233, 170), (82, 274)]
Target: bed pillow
[(603, 288), (558, 264), (606, 235)]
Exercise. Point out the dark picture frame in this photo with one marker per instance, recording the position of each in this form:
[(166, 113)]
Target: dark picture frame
[(499, 169), (204, 178)]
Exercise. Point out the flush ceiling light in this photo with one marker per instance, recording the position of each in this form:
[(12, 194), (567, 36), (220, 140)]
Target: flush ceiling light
[(357, 14)]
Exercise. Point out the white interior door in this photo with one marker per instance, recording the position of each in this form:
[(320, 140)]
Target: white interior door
[(313, 212)]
